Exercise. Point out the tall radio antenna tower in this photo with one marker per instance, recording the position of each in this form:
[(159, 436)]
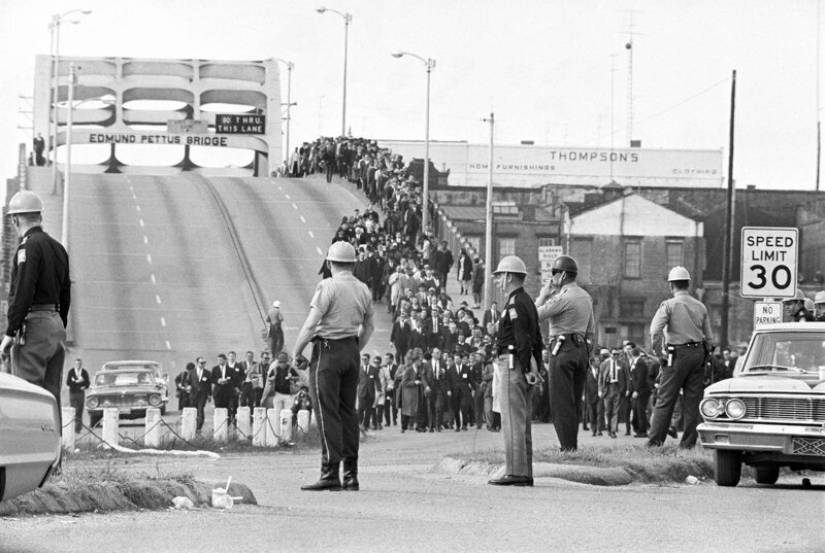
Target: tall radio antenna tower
[(629, 47)]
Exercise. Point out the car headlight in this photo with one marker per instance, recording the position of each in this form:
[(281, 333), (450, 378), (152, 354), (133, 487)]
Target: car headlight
[(154, 400), (711, 408), (735, 408), (92, 403)]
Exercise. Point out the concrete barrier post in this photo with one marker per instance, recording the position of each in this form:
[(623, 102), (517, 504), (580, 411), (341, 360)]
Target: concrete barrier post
[(243, 423), (152, 438), (111, 425), (303, 420), (221, 424), (272, 427), (259, 426), (286, 425), (68, 428), (189, 423)]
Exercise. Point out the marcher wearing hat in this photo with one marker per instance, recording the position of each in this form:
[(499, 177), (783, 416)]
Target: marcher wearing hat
[(39, 299), (683, 322), (519, 347), (796, 309), (819, 306), (275, 331), (339, 325), (572, 329)]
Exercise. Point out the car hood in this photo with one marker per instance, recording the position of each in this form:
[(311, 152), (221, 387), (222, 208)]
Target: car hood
[(774, 384)]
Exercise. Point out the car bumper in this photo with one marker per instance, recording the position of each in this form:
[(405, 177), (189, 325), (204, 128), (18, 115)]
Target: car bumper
[(784, 439)]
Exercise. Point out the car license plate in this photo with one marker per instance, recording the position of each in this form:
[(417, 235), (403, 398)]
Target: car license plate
[(809, 446)]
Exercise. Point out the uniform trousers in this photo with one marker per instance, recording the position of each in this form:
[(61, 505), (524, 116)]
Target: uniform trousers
[(568, 374), (40, 359), (333, 386), (686, 374), (515, 419)]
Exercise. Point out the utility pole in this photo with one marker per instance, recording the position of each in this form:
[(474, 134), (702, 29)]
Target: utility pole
[(488, 238), (726, 253)]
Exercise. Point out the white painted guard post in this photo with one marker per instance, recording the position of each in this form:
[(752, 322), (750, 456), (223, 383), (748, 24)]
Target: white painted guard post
[(68, 428), (259, 426), (243, 423), (221, 424), (111, 421), (152, 437), (272, 427), (303, 420), (189, 423), (286, 425)]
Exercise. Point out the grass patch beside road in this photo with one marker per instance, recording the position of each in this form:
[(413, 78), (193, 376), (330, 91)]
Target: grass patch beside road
[(663, 465)]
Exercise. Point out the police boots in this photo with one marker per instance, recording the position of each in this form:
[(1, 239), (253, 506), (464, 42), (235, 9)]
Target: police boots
[(351, 475), (329, 480)]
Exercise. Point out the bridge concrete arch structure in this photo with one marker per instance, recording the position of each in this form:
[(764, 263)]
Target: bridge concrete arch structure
[(193, 82)]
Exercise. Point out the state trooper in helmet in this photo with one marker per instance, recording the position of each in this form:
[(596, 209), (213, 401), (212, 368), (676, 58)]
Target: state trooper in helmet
[(339, 325), (519, 345), (683, 323), (569, 310), (796, 308), (39, 299), (819, 306)]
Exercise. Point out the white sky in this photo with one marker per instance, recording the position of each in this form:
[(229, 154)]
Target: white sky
[(543, 67)]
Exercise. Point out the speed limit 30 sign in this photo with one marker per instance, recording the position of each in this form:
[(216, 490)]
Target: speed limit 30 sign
[(769, 262)]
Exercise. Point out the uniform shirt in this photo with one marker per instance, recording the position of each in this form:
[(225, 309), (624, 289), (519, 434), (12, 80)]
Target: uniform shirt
[(39, 276), (519, 327), (345, 304), (681, 319), (570, 311)]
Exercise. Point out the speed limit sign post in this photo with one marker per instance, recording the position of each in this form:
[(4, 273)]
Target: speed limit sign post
[(769, 262)]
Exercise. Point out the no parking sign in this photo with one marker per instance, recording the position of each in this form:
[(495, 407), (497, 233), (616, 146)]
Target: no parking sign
[(769, 262)]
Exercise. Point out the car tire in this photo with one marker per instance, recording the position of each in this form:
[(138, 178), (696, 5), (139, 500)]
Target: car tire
[(94, 419), (767, 473), (728, 467)]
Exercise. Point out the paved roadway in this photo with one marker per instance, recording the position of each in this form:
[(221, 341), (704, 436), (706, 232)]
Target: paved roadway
[(156, 274), (404, 507)]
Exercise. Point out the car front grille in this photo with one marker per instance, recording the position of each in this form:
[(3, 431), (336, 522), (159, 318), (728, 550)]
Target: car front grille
[(784, 409), (121, 401)]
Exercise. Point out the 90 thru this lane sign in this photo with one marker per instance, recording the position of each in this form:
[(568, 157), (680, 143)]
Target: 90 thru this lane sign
[(769, 262)]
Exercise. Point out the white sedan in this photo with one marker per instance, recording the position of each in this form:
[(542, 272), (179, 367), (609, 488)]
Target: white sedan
[(29, 436)]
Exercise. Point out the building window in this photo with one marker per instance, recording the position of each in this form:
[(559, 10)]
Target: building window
[(506, 246), (546, 242), (631, 308), (675, 253), (636, 333), (633, 260), (582, 252)]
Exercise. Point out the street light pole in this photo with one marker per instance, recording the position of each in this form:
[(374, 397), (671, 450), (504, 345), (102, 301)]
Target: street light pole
[(54, 29), (289, 67), (67, 179), (425, 211), (488, 236), (347, 20)]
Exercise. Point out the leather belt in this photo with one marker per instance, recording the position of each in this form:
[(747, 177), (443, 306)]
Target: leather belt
[(687, 345), (43, 307)]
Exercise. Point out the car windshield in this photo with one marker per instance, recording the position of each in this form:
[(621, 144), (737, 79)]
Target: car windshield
[(786, 352), (123, 378)]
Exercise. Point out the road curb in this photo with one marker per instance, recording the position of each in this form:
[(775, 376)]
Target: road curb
[(83, 497), (583, 474)]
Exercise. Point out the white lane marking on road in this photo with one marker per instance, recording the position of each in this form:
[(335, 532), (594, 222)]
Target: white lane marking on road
[(287, 196), (162, 321), (152, 276), (168, 345), (157, 298), (142, 224), (145, 239), (302, 219), (280, 188), (149, 258), (138, 208), (134, 197), (294, 205), (311, 235), (319, 250)]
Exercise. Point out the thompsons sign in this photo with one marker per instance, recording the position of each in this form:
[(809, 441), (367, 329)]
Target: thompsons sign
[(537, 165)]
